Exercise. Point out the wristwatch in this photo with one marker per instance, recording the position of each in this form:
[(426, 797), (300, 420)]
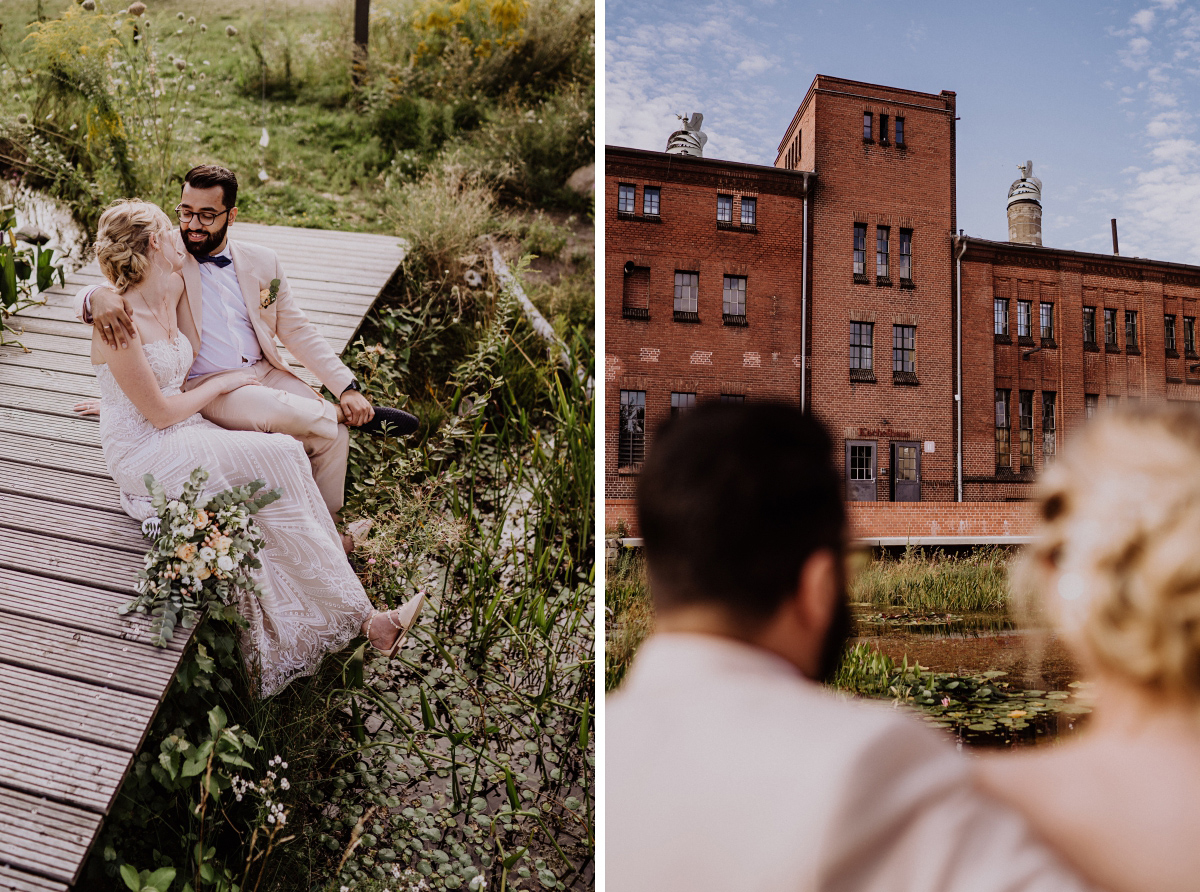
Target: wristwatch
[(353, 385)]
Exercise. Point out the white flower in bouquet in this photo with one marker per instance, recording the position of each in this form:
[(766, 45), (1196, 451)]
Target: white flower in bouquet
[(208, 555), (225, 562)]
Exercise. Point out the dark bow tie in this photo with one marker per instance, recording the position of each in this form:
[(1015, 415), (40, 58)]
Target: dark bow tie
[(220, 261)]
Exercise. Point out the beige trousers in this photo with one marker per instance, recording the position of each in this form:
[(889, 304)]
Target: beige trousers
[(286, 405)]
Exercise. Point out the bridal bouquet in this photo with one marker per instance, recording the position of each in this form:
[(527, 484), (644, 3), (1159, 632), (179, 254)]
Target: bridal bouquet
[(203, 552)]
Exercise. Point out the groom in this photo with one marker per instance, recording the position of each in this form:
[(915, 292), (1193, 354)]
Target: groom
[(236, 302)]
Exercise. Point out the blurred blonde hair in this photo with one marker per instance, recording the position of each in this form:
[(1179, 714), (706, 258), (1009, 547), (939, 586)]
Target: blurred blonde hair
[(1121, 526), (123, 240)]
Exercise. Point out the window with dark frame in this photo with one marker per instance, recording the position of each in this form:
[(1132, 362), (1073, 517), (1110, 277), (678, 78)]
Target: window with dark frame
[(904, 348), (724, 208), (899, 131), (905, 255), (1003, 430), (1089, 326), (1091, 404), (867, 132), (860, 249), (882, 235), (1046, 320), (862, 345), (1110, 328), (1189, 335), (650, 200), (733, 398), (749, 211), (1112, 401), (1024, 319), (883, 130), (1169, 332), (687, 292), (1000, 316), (1049, 428), (631, 439), (681, 402), (733, 302), (1131, 333), (1025, 419), (625, 198)]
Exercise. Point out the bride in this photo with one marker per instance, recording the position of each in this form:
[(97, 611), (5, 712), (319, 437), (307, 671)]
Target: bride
[(312, 603), (1116, 571)]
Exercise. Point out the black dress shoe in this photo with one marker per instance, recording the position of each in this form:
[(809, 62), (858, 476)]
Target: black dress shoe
[(390, 422)]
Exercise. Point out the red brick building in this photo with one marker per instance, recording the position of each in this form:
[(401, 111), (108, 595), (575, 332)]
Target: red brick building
[(725, 280)]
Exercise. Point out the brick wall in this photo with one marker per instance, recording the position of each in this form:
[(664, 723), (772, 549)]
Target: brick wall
[(874, 520), (709, 357)]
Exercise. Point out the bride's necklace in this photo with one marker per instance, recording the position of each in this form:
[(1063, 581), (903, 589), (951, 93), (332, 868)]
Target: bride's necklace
[(166, 326)]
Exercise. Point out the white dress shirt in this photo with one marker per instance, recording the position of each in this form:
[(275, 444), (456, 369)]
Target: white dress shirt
[(228, 340), (726, 769)]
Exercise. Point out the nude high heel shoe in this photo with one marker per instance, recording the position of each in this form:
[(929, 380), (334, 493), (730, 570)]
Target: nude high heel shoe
[(403, 618)]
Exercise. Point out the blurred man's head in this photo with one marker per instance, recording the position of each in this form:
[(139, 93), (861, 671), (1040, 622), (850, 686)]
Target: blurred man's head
[(740, 508)]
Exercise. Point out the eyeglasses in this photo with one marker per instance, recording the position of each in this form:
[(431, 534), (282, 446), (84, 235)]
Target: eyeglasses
[(205, 218)]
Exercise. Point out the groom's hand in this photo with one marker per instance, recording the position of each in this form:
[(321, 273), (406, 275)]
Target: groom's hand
[(356, 408), (112, 319)]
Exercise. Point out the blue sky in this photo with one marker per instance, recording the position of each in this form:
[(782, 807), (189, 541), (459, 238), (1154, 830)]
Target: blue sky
[(1103, 97)]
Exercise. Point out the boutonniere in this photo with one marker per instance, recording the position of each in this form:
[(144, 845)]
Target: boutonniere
[(268, 296)]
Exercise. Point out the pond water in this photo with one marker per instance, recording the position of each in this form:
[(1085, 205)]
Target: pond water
[(1030, 665)]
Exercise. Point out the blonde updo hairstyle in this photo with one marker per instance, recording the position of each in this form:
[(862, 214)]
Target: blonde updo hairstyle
[(1116, 569), (123, 240)]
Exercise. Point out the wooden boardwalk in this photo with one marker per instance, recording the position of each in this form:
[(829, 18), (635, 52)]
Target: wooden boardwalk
[(79, 685)]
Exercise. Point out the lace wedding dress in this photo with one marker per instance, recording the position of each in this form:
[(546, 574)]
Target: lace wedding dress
[(312, 603)]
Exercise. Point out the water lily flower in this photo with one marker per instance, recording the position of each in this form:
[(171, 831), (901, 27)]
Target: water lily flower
[(1017, 713), (945, 701)]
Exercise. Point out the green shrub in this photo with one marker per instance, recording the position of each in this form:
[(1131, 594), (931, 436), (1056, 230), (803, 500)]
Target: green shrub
[(442, 214), (939, 582)]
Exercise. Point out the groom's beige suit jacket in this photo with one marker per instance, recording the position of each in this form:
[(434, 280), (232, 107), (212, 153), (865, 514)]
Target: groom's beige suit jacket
[(727, 771), (256, 266)]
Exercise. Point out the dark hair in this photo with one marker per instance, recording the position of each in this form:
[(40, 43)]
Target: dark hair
[(732, 501), (205, 176)]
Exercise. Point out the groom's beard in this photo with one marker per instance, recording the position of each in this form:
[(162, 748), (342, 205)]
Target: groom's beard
[(205, 247)]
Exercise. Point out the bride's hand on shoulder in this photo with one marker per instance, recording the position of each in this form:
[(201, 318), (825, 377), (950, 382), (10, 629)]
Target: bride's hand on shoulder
[(112, 318)]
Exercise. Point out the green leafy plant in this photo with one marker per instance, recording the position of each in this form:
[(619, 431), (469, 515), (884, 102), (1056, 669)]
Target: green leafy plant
[(25, 271)]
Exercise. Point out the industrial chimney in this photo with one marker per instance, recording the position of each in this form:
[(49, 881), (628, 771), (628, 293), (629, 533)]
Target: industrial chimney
[(690, 139), (1025, 208)]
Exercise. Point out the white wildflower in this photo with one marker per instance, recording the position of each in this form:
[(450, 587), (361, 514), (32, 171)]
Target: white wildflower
[(203, 28), (230, 31), (179, 15), (191, 20)]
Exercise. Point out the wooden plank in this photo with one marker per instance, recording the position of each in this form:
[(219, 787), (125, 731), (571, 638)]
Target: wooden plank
[(73, 523), (13, 879), (86, 562), (77, 607), (59, 486), (50, 454), (82, 430), (74, 708), (45, 359), (77, 386), (39, 835), (58, 650), (65, 770), (32, 399)]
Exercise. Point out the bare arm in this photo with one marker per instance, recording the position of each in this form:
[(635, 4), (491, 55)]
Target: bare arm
[(136, 379)]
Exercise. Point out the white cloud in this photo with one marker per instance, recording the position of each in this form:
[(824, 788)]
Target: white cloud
[(1143, 19)]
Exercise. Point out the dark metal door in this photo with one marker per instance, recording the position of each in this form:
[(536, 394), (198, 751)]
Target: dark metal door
[(906, 472), (860, 471)]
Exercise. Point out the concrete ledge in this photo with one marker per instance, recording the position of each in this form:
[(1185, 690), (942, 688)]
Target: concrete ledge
[(892, 541)]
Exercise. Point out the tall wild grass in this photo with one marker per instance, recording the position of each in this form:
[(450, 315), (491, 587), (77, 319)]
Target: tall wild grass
[(936, 582)]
